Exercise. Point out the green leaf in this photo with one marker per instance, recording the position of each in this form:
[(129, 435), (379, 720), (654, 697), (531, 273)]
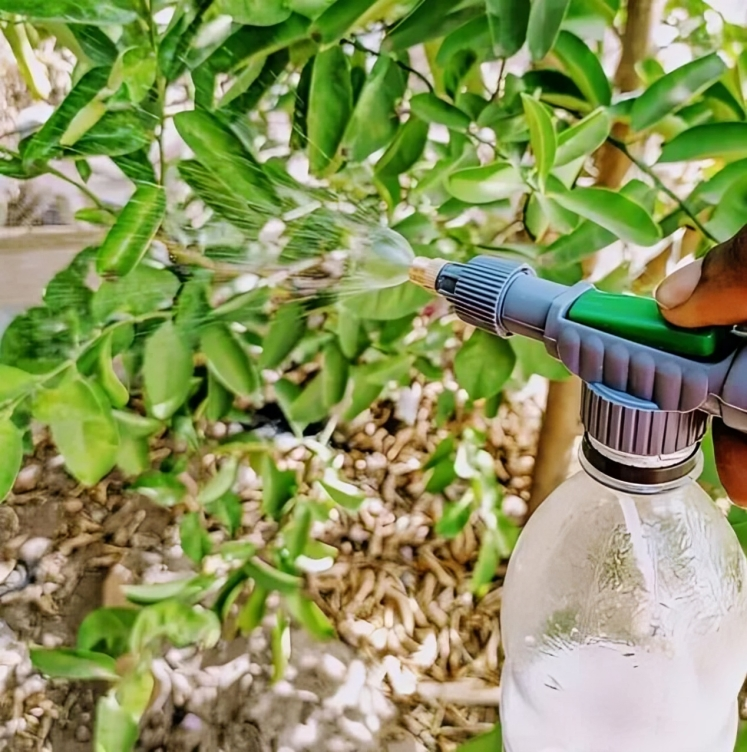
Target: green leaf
[(430, 19), (330, 108), (254, 12), (183, 587), (219, 400), (432, 109), (309, 407), (473, 36), (365, 392), (406, 149), (728, 217), (109, 13), (335, 374), (136, 425), (11, 455), (114, 388), (195, 541), (285, 332), (710, 141), (280, 643), (344, 494), (489, 742), (14, 383), (674, 90), (484, 364), (115, 730), (310, 616), (228, 361), (129, 239), (374, 122), (45, 143), (181, 624), (272, 579), (542, 136), (584, 68), (253, 611), (296, 535), (533, 358), (162, 488), (625, 218), (389, 303), (70, 663), (278, 488), (167, 371), (106, 630), (83, 429), (487, 564), (509, 20), (583, 138), (221, 483), (545, 19), (229, 163), (455, 517), (341, 16), (486, 184), (228, 510)]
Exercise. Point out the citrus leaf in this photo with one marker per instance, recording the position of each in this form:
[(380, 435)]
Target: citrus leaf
[(484, 364), (330, 108), (82, 427), (486, 184), (272, 579), (14, 383), (336, 370), (116, 730), (509, 20), (542, 136), (111, 12), (432, 109), (545, 20), (278, 488), (584, 68), (310, 616), (107, 629), (254, 12), (583, 138), (286, 330), (622, 216), (70, 663), (389, 303), (344, 494), (167, 370), (228, 361), (675, 89), (11, 455), (195, 541), (710, 141), (336, 20), (253, 611)]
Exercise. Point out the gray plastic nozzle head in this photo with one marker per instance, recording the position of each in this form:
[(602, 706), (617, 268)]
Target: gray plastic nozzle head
[(633, 426), (478, 290)]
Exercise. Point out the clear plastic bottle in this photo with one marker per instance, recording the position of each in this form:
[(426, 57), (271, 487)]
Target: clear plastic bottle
[(624, 620)]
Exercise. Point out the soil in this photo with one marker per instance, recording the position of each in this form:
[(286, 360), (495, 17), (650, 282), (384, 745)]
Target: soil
[(416, 663)]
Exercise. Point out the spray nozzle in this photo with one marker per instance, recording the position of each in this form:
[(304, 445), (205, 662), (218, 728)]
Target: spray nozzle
[(627, 354)]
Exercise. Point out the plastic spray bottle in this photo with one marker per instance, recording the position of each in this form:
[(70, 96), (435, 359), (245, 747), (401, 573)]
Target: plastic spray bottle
[(624, 615)]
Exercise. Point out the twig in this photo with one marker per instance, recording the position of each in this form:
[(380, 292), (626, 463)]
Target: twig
[(643, 167), (499, 85), (358, 46)]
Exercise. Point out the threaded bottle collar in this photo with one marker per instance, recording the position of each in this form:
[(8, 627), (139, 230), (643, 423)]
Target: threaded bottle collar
[(637, 428)]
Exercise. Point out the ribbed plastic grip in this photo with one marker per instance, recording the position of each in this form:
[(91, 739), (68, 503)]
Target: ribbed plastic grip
[(477, 290)]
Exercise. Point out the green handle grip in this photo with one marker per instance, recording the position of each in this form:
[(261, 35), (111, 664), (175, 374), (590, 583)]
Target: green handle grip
[(639, 320)]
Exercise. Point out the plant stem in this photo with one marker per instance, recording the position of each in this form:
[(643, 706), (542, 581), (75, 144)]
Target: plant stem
[(643, 167), (358, 46)]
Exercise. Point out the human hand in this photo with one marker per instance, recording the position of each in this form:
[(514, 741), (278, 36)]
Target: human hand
[(713, 291)]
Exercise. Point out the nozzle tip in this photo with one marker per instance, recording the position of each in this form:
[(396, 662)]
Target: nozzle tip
[(424, 272)]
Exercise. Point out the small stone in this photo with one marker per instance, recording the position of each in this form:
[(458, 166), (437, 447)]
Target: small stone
[(34, 549), (83, 734), (73, 506), (28, 479)]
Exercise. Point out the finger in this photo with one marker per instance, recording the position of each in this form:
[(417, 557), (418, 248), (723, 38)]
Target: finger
[(710, 291), (731, 460)]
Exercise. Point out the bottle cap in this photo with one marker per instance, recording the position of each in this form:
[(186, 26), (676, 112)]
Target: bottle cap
[(626, 424)]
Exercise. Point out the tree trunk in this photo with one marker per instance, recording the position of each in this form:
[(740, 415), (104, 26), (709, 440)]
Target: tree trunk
[(561, 424)]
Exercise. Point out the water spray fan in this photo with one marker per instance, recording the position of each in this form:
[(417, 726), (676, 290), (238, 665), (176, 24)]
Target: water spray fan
[(649, 387)]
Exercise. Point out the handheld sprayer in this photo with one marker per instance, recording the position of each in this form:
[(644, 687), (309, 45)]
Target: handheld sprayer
[(624, 610)]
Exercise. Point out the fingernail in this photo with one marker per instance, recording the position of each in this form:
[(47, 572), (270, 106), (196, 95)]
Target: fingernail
[(677, 288)]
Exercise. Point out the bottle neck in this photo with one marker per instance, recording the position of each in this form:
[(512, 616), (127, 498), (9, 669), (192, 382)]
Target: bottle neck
[(637, 474)]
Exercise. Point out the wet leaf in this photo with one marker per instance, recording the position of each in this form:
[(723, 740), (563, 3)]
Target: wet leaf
[(254, 12), (310, 616), (278, 488), (344, 494), (11, 455), (710, 141), (106, 630), (583, 138), (432, 109), (486, 184), (509, 20), (286, 330), (195, 541), (388, 304), (542, 136), (101, 12), (253, 611), (545, 19), (584, 68), (228, 361)]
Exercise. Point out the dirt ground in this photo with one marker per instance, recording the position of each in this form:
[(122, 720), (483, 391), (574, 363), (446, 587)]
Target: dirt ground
[(416, 665)]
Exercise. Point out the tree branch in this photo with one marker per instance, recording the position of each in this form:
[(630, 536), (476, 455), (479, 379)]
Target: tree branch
[(358, 46), (643, 167)]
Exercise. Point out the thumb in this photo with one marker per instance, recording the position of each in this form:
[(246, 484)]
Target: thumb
[(711, 291)]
